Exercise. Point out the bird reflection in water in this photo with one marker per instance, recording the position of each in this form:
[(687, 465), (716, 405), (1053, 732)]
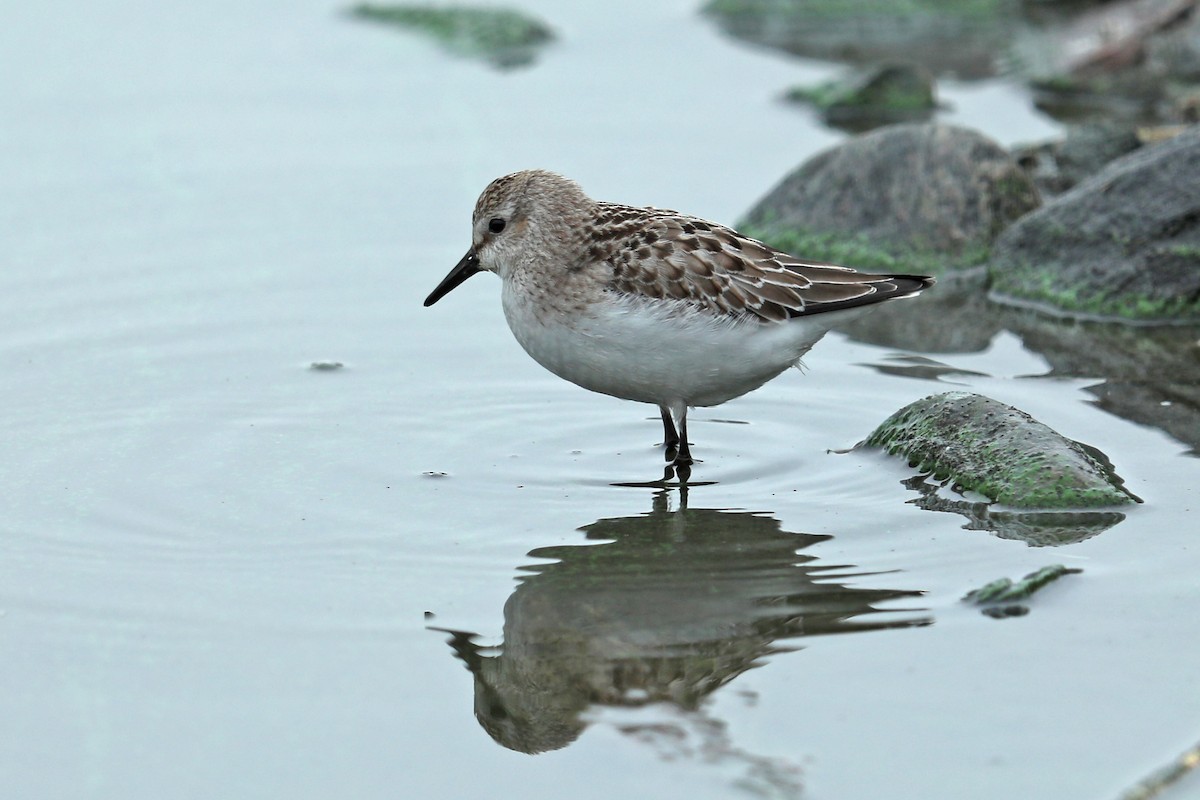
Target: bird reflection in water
[(664, 607)]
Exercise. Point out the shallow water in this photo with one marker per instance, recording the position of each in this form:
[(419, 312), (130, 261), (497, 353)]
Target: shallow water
[(226, 573)]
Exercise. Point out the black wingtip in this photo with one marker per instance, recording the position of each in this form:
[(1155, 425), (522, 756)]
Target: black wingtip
[(907, 285), (889, 287)]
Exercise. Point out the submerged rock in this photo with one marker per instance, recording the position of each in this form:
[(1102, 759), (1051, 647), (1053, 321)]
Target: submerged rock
[(999, 597), (1004, 590), (1122, 244), (913, 197), (882, 95), (985, 446), (502, 37)]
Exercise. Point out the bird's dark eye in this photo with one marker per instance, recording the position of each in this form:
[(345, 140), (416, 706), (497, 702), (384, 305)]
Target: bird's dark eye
[(495, 225)]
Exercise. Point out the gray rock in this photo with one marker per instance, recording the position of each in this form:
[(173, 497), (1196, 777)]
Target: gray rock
[(991, 448), (1176, 52), (1058, 166), (1122, 244), (1130, 59), (916, 197)]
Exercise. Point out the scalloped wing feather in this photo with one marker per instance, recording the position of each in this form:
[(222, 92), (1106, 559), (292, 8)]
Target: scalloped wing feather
[(662, 254)]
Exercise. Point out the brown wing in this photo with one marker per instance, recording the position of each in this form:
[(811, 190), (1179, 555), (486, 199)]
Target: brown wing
[(662, 254)]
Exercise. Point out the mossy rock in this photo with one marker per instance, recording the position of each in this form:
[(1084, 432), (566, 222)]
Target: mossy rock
[(868, 99), (503, 37), (985, 446)]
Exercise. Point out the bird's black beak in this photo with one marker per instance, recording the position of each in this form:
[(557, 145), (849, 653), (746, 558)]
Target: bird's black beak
[(463, 270)]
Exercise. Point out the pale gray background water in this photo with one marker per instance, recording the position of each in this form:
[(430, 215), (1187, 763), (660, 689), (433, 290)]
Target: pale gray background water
[(215, 563)]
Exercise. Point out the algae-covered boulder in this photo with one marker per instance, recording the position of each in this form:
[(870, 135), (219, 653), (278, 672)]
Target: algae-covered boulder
[(1125, 243), (913, 197), (985, 446), (502, 37)]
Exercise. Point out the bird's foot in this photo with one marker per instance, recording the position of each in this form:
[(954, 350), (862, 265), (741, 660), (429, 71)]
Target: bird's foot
[(682, 472)]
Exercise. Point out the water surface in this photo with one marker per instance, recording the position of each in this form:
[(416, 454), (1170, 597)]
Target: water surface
[(225, 573)]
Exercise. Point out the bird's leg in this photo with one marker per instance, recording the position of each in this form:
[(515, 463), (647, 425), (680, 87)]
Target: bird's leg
[(683, 458), (670, 435)]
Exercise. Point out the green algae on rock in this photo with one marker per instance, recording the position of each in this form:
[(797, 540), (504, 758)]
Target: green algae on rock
[(1005, 590), (503, 37), (1001, 452)]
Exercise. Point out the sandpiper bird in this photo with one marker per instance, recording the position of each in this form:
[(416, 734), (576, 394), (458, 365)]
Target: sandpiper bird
[(652, 305)]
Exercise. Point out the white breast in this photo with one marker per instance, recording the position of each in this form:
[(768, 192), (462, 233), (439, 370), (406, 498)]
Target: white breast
[(663, 352)]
